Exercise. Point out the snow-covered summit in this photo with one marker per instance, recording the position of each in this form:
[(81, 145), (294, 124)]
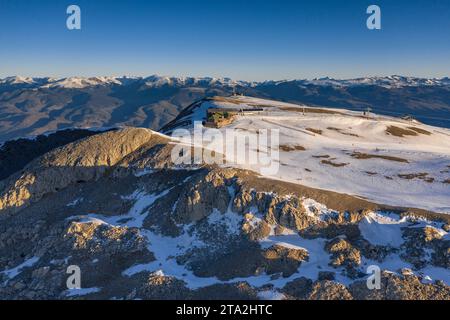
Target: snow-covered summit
[(387, 160), (146, 82), (157, 81), (393, 81), (80, 82)]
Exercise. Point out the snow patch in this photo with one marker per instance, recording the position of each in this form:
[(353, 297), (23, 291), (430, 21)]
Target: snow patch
[(382, 229), (81, 292), (271, 295), (14, 272), (136, 215), (75, 202)]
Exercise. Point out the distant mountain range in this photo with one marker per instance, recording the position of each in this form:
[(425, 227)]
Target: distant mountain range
[(158, 81), (32, 106)]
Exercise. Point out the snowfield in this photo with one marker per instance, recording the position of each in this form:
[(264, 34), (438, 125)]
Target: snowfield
[(383, 159)]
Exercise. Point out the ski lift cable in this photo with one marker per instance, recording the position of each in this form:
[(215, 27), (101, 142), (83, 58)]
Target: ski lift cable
[(401, 114)]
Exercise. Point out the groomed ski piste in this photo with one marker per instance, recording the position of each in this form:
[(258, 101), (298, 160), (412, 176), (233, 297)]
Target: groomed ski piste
[(382, 159)]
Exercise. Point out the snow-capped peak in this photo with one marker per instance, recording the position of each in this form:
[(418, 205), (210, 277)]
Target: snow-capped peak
[(388, 81), (394, 81), (157, 81), (81, 82), (17, 80)]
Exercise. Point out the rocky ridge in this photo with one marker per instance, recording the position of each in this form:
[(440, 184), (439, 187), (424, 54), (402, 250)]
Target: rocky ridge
[(140, 228)]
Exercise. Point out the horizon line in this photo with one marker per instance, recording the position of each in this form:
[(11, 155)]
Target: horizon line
[(130, 76)]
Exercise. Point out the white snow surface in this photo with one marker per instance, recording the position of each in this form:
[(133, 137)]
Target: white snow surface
[(81, 291), (383, 230), (344, 133)]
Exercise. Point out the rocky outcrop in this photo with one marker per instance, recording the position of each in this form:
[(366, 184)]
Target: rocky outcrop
[(16, 154), (420, 241), (101, 252), (279, 259), (94, 238), (298, 289), (122, 212), (256, 230), (160, 287), (288, 213), (329, 290), (80, 161), (344, 254), (202, 196), (401, 287), (245, 259), (226, 291)]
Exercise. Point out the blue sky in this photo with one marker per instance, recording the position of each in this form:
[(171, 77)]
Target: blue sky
[(248, 40)]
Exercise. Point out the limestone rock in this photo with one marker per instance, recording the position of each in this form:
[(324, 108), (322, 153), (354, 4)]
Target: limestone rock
[(329, 290), (396, 287)]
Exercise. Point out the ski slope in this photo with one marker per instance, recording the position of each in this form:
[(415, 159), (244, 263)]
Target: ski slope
[(344, 151)]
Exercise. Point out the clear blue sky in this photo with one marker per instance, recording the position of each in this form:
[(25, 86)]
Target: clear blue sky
[(249, 40)]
